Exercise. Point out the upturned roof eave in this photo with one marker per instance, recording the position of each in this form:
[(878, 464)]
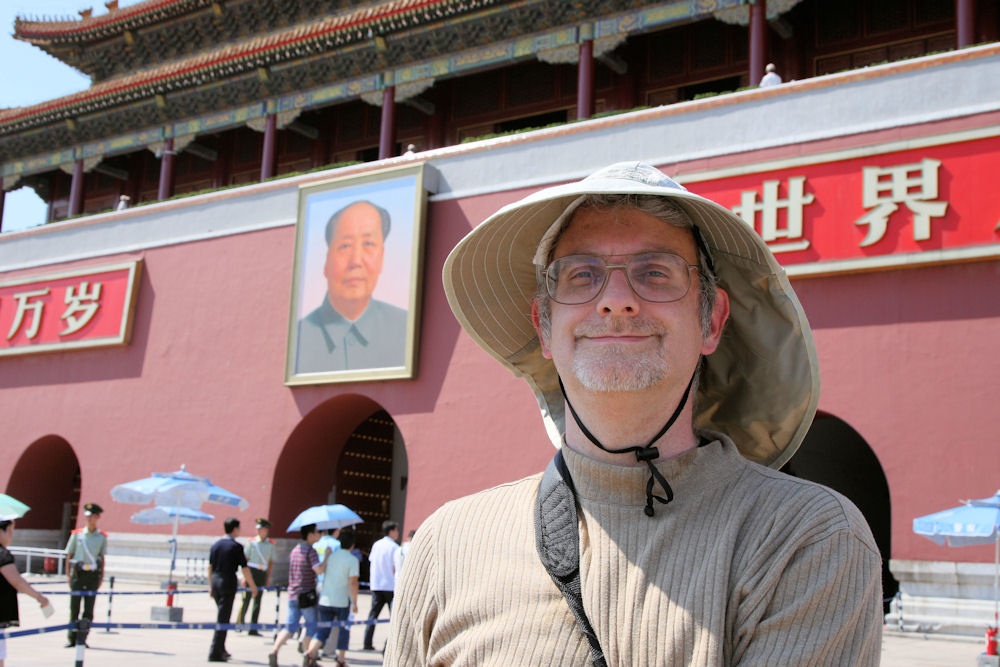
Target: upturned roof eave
[(156, 80)]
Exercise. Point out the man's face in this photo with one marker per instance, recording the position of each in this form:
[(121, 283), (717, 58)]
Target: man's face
[(263, 532), (394, 534), (92, 521), (618, 341), (354, 260)]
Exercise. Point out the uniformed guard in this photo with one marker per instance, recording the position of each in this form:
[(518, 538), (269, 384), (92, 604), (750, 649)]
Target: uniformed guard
[(260, 557), (85, 553)]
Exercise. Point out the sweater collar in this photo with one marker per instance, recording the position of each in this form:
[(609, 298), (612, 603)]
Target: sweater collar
[(625, 485)]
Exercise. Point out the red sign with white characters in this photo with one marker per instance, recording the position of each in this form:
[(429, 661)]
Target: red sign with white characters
[(82, 308), (936, 198)]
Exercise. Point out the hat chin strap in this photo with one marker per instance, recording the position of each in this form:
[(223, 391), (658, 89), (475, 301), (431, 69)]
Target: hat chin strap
[(646, 454)]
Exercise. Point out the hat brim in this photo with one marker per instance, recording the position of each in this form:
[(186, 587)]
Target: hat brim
[(760, 387)]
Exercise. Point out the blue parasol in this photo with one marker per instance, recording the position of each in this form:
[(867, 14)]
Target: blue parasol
[(175, 490), (159, 515), (973, 522), (326, 517), (11, 508)]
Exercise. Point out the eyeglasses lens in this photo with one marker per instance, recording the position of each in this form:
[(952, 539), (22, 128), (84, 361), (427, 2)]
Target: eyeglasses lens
[(660, 277)]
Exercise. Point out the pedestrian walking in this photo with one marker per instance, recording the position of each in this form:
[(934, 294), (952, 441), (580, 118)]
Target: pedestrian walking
[(259, 553), (11, 582), (383, 577), (85, 554), (224, 559)]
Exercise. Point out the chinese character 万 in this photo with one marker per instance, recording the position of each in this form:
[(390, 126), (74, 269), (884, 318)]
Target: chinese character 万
[(911, 184), (24, 305), (769, 205), (76, 301)]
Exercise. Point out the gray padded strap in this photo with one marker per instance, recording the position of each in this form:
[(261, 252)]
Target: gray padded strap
[(557, 538)]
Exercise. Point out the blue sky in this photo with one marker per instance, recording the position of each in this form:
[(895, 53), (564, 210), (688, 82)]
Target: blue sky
[(35, 77)]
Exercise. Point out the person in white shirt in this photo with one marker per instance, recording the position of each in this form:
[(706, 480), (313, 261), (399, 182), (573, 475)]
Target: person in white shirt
[(771, 78), (383, 576), (339, 593), (401, 552)]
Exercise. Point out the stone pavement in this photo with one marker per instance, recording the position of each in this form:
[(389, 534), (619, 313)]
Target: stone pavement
[(153, 648)]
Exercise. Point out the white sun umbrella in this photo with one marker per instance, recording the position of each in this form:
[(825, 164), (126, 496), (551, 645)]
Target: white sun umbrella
[(179, 489)]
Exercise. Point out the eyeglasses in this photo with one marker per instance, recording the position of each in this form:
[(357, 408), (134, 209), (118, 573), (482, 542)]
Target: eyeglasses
[(660, 277)]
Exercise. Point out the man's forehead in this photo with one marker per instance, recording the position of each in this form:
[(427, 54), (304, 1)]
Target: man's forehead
[(593, 227), (359, 219)]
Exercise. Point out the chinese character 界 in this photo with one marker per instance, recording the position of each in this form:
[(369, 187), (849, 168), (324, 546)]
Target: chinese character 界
[(76, 301), (887, 187), (769, 205), (23, 306)]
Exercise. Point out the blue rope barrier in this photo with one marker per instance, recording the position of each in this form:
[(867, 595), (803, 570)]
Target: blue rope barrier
[(199, 591), (7, 634)]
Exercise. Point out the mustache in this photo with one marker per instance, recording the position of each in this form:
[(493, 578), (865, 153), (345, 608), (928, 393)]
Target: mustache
[(619, 326)]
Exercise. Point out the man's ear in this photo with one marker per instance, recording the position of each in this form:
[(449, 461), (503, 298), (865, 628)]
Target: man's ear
[(716, 323), (537, 323)]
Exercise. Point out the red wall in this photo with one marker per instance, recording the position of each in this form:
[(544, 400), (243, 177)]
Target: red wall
[(908, 358)]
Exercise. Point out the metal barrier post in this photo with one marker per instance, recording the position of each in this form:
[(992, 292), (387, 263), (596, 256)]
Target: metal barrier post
[(82, 629), (111, 596), (899, 610), (277, 611)]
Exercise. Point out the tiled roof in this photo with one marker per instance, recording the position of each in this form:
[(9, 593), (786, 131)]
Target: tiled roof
[(260, 51), (115, 21)]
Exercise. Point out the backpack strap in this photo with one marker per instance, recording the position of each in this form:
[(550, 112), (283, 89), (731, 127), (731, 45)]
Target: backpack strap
[(557, 538)]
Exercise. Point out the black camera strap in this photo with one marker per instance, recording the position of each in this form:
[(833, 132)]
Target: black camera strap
[(557, 538)]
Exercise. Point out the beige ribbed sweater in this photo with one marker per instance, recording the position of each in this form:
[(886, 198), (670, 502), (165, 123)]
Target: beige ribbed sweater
[(746, 566)]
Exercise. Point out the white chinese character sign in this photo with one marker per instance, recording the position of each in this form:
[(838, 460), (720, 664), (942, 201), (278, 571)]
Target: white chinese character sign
[(868, 209), (89, 307)]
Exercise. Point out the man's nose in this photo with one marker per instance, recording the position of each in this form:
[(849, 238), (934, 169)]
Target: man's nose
[(617, 296), (355, 255)]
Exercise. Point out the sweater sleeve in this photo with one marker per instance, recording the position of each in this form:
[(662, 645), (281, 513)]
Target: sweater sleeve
[(416, 602), (822, 607)]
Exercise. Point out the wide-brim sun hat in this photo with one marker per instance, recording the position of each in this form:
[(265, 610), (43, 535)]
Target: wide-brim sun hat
[(761, 385)]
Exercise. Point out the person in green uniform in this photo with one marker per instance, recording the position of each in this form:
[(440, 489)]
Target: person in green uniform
[(260, 557), (85, 553)]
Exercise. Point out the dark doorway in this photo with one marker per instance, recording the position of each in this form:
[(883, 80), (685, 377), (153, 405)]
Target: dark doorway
[(835, 455), (47, 479)]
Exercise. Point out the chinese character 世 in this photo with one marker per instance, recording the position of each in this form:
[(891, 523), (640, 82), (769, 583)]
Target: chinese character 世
[(76, 301), (769, 205), (23, 306), (911, 184)]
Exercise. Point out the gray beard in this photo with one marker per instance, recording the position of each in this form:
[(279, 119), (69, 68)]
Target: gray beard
[(615, 370)]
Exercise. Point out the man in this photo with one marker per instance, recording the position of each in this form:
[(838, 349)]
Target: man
[(303, 567), (259, 553), (681, 549), (383, 577), (350, 330), (339, 592), (223, 560), (404, 548), (85, 553)]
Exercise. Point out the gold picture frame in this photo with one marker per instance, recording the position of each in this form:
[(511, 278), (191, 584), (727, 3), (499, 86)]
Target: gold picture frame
[(356, 284)]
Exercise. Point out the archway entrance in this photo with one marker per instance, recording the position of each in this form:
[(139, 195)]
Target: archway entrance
[(835, 455), (371, 476), (47, 478), (346, 450)]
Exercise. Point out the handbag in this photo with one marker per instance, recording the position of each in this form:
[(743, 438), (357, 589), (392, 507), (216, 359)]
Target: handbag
[(308, 599)]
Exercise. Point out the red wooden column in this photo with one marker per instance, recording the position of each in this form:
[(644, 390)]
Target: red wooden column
[(270, 141), (387, 132), (585, 80), (166, 188), (758, 40), (76, 190), (965, 22)]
